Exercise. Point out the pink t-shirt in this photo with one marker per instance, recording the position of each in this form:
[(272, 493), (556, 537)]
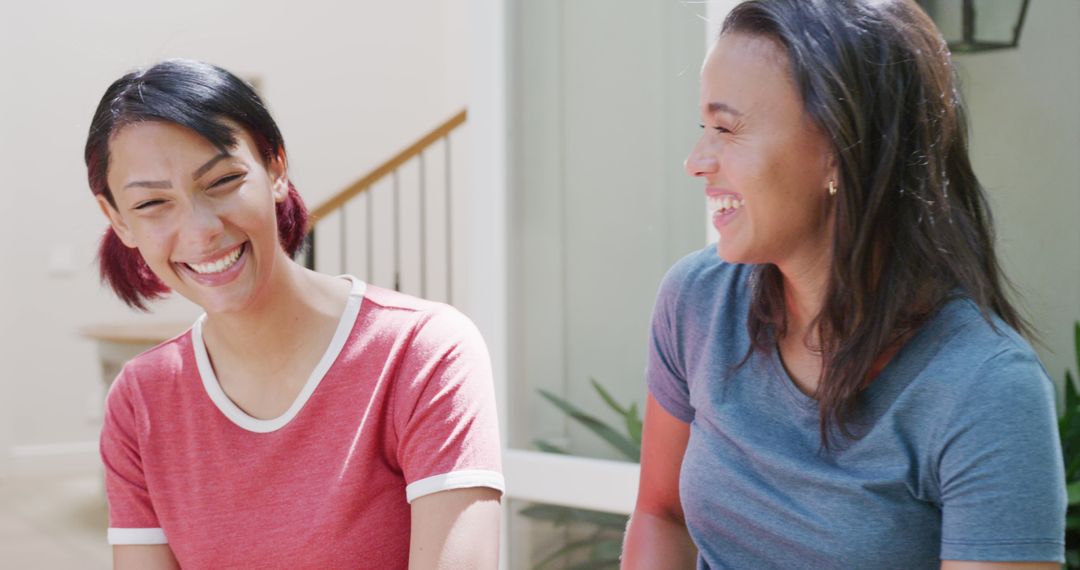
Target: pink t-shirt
[(400, 406)]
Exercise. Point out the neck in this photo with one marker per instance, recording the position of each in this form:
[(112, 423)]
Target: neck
[(292, 300), (805, 284)]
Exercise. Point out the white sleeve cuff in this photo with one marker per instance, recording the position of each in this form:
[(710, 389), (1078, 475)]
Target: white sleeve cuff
[(455, 480), (137, 536)]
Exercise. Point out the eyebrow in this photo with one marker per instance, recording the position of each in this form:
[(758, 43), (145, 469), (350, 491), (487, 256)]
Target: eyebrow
[(209, 164), (165, 184), (723, 107), (155, 184)]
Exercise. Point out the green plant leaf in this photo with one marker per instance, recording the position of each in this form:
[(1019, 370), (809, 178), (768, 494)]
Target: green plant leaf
[(552, 513), (1076, 342), (1071, 399), (562, 515), (601, 429), (567, 550), (549, 448), (1074, 493), (633, 424), (595, 564), (608, 399), (1069, 425), (608, 549)]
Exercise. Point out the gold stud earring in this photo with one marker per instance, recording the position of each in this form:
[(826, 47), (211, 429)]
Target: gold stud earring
[(832, 188)]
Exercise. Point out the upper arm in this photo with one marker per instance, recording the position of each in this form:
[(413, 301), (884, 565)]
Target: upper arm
[(133, 521), (663, 445), (455, 529), (968, 565), (657, 536), (1000, 467), (448, 445), (144, 557), (445, 424), (668, 410)]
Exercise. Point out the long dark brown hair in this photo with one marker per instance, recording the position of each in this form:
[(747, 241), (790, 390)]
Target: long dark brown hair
[(913, 227)]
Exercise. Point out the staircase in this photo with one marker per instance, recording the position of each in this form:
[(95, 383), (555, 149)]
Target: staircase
[(394, 227)]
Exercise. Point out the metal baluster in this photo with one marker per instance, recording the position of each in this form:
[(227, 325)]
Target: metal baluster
[(370, 233), (341, 238), (449, 227), (397, 234), (423, 227), (309, 250)]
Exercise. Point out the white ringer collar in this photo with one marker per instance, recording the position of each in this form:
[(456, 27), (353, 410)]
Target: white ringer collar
[(241, 418)]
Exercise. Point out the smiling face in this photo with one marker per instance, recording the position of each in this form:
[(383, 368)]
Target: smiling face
[(202, 220), (766, 166)]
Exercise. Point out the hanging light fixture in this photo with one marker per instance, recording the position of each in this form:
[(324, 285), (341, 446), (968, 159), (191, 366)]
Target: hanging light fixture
[(974, 25)]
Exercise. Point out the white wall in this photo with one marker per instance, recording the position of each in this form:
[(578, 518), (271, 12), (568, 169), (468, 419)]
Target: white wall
[(1026, 150), (350, 83), (601, 113)]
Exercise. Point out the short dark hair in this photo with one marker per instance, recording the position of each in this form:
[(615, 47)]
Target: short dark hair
[(205, 99), (913, 226)]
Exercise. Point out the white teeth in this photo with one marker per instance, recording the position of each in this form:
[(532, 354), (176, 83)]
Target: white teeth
[(725, 204), (219, 265)]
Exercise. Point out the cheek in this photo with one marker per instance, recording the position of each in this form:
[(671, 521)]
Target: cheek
[(750, 172), (153, 236), (252, 203)]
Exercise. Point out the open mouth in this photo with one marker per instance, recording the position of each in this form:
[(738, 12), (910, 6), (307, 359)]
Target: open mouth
[(725, 204), (220, 265)]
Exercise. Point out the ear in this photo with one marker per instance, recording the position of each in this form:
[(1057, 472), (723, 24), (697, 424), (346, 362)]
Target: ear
[(278, 170), (123, 231)]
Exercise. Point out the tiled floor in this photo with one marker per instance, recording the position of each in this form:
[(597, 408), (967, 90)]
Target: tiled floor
[(53, 522)]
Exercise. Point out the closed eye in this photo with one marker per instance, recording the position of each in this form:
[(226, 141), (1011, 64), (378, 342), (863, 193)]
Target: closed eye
[(148, 204), (717, 129), (226, 179)]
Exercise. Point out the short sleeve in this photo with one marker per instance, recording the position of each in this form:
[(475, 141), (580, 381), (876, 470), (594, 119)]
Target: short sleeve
[(131, 513), (1000, 469), (664, 370), (444, 409)]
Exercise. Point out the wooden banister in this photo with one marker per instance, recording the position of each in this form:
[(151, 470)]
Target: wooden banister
[(386, 168)]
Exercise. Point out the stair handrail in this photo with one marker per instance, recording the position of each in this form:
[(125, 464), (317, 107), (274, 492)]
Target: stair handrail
[(386, 168)]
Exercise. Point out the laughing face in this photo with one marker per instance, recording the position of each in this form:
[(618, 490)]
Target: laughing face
[(766, 166), (203, 220)]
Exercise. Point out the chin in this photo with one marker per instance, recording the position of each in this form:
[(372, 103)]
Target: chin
[(728, 253), (232, 298)]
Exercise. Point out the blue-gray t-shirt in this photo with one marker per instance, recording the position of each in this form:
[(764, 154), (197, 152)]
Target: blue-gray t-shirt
[(958, 456)]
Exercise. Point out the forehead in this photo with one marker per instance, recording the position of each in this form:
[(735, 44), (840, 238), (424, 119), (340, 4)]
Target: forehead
[(150, 140), (155, 148), (746, 69)]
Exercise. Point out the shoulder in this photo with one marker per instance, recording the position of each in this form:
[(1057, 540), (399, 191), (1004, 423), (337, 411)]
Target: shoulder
[(426, 325), (984, 343), (980, 361), (154, 367), (146, 381)]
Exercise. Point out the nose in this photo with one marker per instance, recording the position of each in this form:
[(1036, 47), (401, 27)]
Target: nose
[(701, 162), (202, 226)]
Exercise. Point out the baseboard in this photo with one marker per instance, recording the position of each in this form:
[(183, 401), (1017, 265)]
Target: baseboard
[(53, 458)]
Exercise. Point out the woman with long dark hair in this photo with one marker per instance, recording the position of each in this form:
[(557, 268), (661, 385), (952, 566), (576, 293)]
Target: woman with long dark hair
[(305, 420), (841, 381)]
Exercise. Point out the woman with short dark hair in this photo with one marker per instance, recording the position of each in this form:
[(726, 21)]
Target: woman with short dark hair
[(305, 420), (841, 381)]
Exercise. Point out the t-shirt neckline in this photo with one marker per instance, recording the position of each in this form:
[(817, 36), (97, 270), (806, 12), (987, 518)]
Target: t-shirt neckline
[(899, 360), (241, 418)]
